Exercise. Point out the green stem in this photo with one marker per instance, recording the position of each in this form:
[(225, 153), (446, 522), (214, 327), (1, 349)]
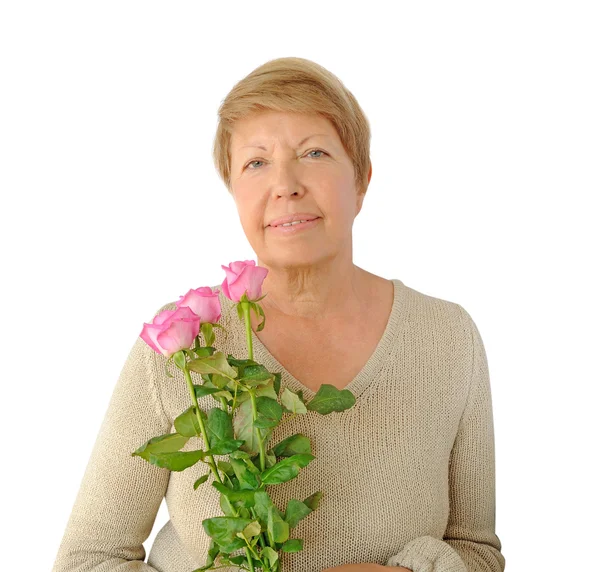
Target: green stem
[(212, 463), (261, 538), (246, 313), (224, 407), (248, 324), (249, 557), (261, 445)]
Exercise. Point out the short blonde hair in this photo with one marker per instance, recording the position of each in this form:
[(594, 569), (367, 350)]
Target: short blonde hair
[(301, 86)]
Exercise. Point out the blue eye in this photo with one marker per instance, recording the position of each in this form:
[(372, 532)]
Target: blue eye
[(259, 161)]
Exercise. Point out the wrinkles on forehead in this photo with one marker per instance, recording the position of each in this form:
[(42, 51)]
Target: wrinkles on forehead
[(259, 145)]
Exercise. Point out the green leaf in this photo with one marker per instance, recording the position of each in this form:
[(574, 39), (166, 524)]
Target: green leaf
[(277, 383), (253, 529), (247, 497), (167, 443), (262, 502), (256, 373), (241, 559), (225, 467), (253, 464), (248, 480), (216, 363), (295, 511), (204, 351), (270, 459), (187, 422), (292, 402), (259, 312), (226, 507), (242, 395), (202, 390), (244, 428), (263, 423), (292, 545), (330, 398), (176, 461), (223, 393), (269, 413), (266, 390), (240, 363), (271, 556), (235, 545), (225, 447), (219, 426), (201, 480), (286, 470), (220, 381), (313, 500), (278, 529), (223, 530), (293, 445)]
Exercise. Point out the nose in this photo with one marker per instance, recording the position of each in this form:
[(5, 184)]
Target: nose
[(285, 181)]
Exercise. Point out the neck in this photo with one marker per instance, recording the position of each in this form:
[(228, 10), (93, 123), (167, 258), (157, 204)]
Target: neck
[(313, 293)]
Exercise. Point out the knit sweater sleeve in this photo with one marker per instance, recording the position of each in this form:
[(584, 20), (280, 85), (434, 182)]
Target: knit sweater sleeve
[(119, 495), (469, 543)]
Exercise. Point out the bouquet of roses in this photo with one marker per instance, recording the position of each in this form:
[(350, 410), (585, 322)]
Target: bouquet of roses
[(250, 406)]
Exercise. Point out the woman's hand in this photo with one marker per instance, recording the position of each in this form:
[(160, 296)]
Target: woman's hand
[(367, 567)]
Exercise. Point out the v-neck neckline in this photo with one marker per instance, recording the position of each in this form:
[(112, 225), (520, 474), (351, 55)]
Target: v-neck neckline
[(363, 378)]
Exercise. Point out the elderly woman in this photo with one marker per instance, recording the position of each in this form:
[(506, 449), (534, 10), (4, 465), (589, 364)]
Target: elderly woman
[(408, 472)]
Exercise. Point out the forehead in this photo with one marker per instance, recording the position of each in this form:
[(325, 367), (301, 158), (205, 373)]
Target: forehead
[(269, 127)]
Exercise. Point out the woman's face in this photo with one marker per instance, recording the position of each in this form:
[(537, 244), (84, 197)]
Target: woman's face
[(302, 167)]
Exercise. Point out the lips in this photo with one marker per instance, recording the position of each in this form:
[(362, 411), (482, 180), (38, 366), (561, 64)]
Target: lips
[(292, 218)]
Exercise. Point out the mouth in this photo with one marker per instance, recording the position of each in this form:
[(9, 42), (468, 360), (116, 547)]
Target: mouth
[(293, 223), (295, 227)]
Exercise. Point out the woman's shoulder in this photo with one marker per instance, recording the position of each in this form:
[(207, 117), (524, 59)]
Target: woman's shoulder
[(434, 325), (435, 312)]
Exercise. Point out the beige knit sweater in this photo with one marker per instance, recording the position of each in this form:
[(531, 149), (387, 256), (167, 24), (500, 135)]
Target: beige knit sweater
[(407, 473)]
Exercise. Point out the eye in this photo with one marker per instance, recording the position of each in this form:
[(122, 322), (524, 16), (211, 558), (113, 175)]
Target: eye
[(316, 151), (259, 161), (254, 161)]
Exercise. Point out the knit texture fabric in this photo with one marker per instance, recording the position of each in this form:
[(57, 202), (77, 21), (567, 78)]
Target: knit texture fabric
[(407, 473)]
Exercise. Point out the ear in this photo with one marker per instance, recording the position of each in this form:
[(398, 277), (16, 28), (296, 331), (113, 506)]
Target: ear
[(360, 197)]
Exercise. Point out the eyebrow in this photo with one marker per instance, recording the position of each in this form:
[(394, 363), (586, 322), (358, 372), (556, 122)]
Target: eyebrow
[(298, 145)]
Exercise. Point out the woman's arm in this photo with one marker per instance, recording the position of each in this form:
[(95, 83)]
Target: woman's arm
[(120, 495), (470, 543)]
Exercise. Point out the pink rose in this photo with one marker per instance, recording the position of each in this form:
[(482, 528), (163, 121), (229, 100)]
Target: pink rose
[(171, 331), (203, 302), (243, 276)]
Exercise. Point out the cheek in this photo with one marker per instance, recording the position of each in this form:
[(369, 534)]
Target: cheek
[(342, 203), (250, 213)]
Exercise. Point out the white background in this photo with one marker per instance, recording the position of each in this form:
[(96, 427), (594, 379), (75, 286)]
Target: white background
[(485, 148)]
